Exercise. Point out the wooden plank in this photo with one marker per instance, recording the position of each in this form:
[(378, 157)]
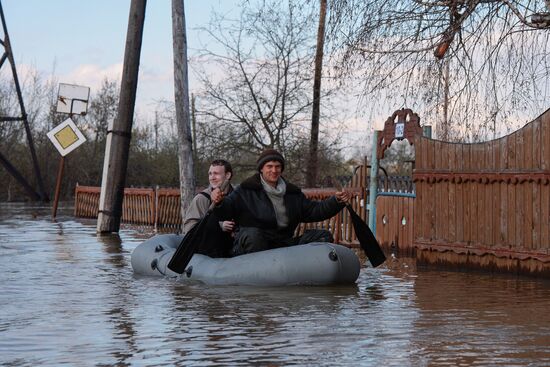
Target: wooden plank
[(380, 227), (519, 149), (421, 161), (466, 198), (439, 156), (503, 150), (545, 218), (545, 188), (528, 225), (451, 211), (545, 141), (537, 212), (394, 219), (466, 161), (526, 147), (431, 212), (513, 210), (421, 212), (459, 196), (438, 223), (402, 232), (431, 155), (537, 144), (520, 213), (409, 215), (511, 152), (495, 213), (445, 221), (476, 158), (480, 166), (418, 214), (502, 238)]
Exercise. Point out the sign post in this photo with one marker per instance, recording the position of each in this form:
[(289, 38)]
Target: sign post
[(66, 137)]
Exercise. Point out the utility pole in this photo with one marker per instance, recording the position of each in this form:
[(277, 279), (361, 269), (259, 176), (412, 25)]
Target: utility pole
[(119, 133), (181, 90)]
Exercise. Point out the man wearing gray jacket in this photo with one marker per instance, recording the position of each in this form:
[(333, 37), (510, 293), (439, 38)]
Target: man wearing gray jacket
[(217, 239)]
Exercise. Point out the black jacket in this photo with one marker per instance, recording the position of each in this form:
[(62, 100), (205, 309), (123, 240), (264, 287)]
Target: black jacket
[(250, 206)]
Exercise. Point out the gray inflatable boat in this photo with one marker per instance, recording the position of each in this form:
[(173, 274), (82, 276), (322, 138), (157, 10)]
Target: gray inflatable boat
[(318, 263)]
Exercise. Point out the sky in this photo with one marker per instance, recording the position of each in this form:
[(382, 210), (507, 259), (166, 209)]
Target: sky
[(82, 43)]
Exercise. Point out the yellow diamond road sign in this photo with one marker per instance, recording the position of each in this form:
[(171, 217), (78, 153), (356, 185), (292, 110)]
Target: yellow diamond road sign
[(66, 137)]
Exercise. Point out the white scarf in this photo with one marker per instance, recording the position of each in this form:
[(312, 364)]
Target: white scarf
[(276, 195)]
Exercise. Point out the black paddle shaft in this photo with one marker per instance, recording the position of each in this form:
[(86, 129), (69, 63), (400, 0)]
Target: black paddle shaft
[(188, 246), (191, 241), (367, 240)]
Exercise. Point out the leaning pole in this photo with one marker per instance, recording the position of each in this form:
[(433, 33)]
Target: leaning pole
[(181, 94), (119, 132)]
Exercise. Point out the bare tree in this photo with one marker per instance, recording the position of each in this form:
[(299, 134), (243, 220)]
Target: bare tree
[(102, 110), (311, 177), (258, 94), (473, 67)]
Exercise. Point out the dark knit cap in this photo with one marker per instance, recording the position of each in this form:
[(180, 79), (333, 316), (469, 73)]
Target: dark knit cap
[(270, 155)]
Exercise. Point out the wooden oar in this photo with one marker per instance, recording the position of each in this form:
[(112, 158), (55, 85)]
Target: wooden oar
[(191, 240), (366, 238)]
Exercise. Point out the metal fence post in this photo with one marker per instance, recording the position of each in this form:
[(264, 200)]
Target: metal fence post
[(373, 187)]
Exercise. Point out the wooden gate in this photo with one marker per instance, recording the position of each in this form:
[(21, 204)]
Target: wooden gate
[(486, 204)]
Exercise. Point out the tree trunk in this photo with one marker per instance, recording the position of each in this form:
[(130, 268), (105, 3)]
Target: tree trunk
[(181, 90), (118, 135), (312, 164)]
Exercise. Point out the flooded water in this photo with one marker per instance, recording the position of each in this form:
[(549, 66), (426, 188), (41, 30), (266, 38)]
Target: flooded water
[(69, 297)]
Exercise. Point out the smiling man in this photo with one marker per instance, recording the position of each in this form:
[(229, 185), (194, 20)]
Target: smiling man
[(217, 239), (268, 209)]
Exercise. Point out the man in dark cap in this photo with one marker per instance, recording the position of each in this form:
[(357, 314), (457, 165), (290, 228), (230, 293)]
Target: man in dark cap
[(268, 209)]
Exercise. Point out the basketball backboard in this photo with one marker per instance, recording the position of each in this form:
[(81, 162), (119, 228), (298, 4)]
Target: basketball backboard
[(72, 99)]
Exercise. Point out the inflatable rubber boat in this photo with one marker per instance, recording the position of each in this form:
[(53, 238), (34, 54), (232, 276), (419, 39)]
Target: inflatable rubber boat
[(318, 263)]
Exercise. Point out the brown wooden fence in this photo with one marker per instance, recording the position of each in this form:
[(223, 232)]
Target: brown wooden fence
[(485, 205), (161, 207), (395, 222)]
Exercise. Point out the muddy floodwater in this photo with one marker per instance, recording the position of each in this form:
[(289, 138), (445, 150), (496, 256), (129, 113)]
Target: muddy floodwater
[(69, 297)]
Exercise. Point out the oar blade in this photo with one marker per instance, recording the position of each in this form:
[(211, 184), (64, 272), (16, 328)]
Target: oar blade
[(192, 239), (187, 247), (366, 239)]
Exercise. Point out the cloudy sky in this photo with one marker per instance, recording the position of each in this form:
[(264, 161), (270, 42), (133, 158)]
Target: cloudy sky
[(82, 42)]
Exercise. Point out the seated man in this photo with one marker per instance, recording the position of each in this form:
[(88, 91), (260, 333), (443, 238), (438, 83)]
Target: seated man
[(268, 209), (217, 238)]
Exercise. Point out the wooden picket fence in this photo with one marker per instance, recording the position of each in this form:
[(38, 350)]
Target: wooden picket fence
[(161, 207), (158, 207)]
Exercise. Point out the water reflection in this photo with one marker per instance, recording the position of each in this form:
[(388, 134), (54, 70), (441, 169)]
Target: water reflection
[(69, 297), (112, 245)]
